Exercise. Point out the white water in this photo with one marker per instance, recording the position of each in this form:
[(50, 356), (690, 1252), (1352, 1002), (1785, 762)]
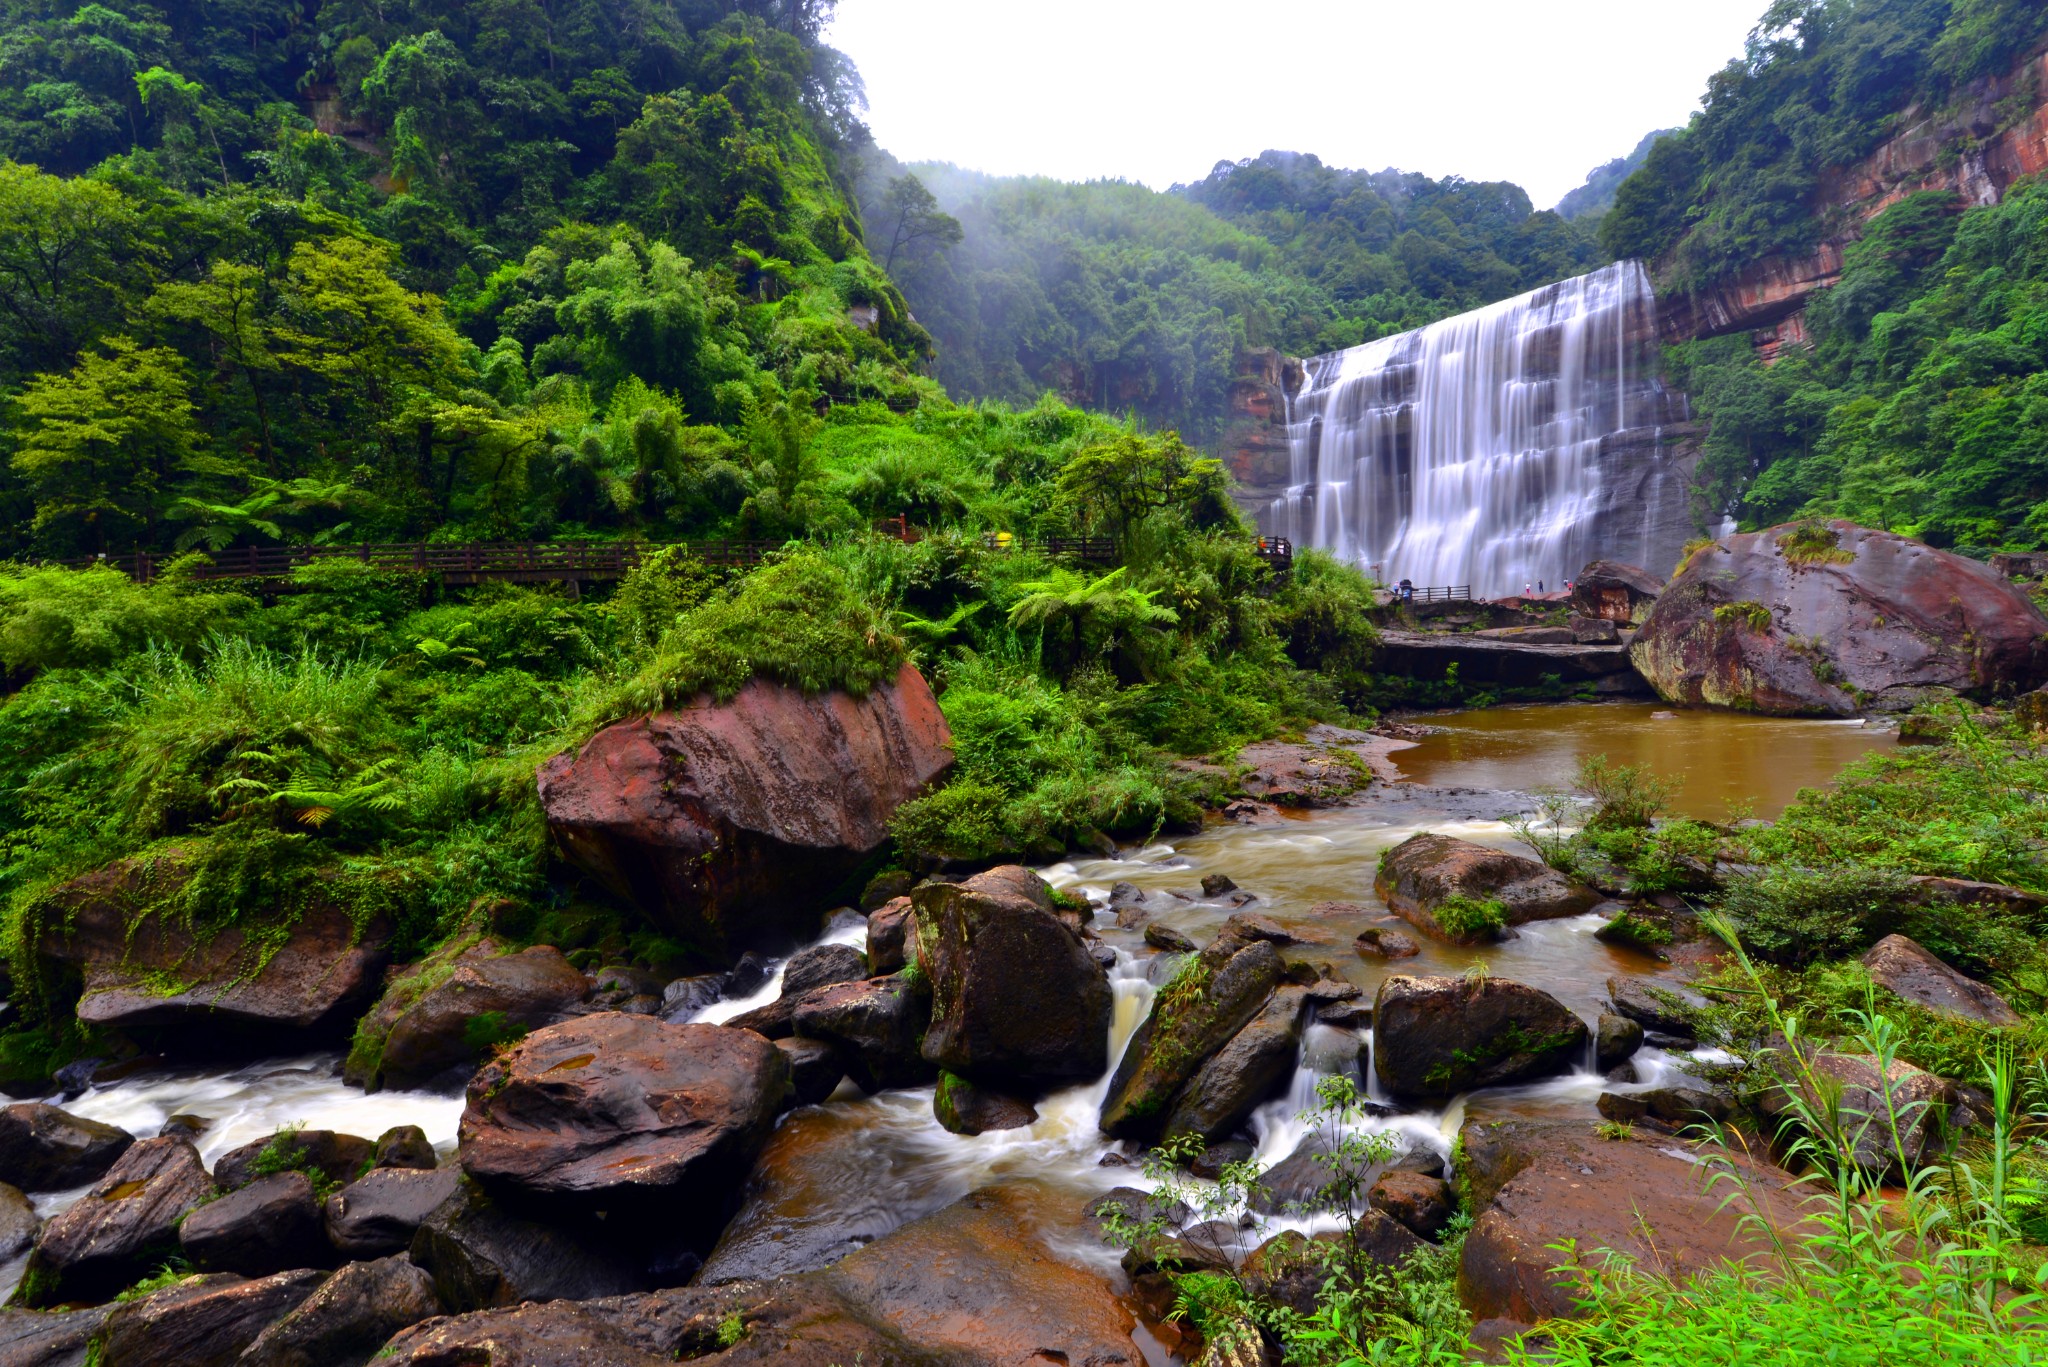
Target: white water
[(1468, 451)]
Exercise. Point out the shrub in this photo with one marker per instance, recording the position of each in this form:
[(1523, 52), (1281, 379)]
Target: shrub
[(1471, 917), (795, 621), (55, 618), (1814, 543), (1622, 794), (963, 821), (1795, 916)]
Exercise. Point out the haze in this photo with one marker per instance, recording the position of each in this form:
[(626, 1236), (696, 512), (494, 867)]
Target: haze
[(1158, 91)]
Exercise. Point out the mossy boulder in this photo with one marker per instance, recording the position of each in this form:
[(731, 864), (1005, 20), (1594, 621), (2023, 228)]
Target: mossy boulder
[(1428, 877), (444, 1015), (1436, 1037), (120, 1230), (1832, 619)]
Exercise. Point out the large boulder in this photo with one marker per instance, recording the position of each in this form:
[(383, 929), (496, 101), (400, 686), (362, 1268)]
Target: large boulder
[(443, 1015), (890, 927), (972, 1285), (336, 1157), (1895, 1116), (1018, 1003), (1608, 590), (731, 825), (271, 1225), (1211, 997), (121, 1229), (876, 1027), (1257, 1062), (482, 1254), (1837, 620), (379, 1213), (816, 1194), (49, 1338), (351, 1316), (45, 1149), (144, 967), (204, 1321), (1903, 967), (624, 1113), (965, 1107), (1424, 871), (1436, 1037), (1534, 1184), (18, 1223)]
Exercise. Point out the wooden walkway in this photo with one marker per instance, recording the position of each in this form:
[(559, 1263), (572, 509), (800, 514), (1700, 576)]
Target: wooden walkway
[(528, 562)]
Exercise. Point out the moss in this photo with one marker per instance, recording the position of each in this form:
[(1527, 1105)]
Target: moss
[(1467, 918), (1514, 1039), (1751, 614)]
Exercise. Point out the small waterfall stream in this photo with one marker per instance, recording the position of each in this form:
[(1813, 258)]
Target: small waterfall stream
[(1498, 448)]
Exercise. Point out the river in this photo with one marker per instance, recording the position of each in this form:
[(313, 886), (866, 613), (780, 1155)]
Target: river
[(872, 1163)]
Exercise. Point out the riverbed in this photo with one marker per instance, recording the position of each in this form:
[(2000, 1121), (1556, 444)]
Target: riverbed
[(869, 1164)]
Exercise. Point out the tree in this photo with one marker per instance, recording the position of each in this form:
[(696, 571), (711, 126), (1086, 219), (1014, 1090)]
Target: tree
[(107, 440), (918, 220), (1078, 619), (1118, 484), (69, 250)]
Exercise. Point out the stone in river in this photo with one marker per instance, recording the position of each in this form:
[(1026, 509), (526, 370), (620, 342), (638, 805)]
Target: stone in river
[(351, 1316), (45, 1149), (119, 1231), (271, 1225), (1424, 871), (1436, 1037), (1018, 1002), (204, 1321)]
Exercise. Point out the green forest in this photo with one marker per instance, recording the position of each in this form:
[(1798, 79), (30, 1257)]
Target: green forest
[(634, 274)]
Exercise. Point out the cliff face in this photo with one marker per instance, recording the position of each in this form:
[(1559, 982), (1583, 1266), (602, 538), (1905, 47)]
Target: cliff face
[(1253, 442), (1975, 149)]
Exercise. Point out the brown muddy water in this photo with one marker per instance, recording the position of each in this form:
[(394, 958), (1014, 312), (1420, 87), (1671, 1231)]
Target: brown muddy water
[(847, 1172), (1727, 762)]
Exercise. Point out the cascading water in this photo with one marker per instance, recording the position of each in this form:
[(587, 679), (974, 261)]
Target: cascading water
[(1495, 449)]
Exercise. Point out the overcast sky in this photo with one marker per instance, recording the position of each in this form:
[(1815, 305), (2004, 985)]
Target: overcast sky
[(1534, 91)]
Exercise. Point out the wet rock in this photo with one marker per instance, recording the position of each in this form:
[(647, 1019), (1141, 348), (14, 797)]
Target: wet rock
[(120, 1230), (815, 1195), (1216, 884), (1381, 942), (876, 1027), (404, 1146), (45, 1149), (1669, 1109), (749, 974), (685, 997), (1896, 1114), (1534, 1184), (969, 1108), (1609, 591), (1654, 1006), (1219, 1154), (1210, 1246), (1436, 1037), (622, 987), (239, 988), (1137, 1207), (49, 1338), (1422, 1205), (729, 823), (1288, 1269), (18, 1224), (554, 1334), (624, 1111), (204, 1321), (1168, 940), (1246, 812), (1017, 1001), (338, 1158), (1212, 997), (1615, 1040), (1593, 631), (349, 1318), (1901, 966), (1347, 1015), (1852, 620), (271, 1225), (773, 1021), (379, 1214), (482, 1255), (1293, 774), (815, 1071), (487, 998), (889, 931), (884, 888), (821, 966), (1424, 871), (1257, 1061), (184, 1127), (1301, 1182)]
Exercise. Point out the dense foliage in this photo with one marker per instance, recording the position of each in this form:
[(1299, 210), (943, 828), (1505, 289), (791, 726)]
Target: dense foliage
[(1820, 84), (1920, 406), (1127, 299)]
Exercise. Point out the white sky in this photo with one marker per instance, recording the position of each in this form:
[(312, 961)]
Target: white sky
[(1534, 91)]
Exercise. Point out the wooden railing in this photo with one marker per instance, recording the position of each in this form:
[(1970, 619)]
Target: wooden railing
[(1458, 593), (576, 562)]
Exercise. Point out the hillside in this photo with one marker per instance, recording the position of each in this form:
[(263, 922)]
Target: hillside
[(1125, 299)]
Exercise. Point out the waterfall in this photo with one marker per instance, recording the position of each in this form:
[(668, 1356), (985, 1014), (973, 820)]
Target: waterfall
[(1501, 447)]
